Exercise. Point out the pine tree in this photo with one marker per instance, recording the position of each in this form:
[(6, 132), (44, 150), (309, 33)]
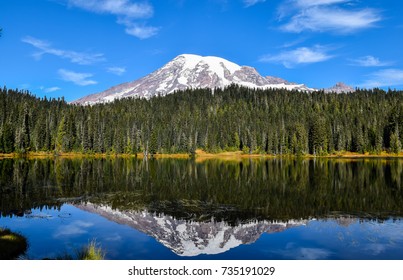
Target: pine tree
[(273, 121), (7, 138), (395, 144), (237, 142), (60, 136), (153, 144), (25, 134), (318, 141)]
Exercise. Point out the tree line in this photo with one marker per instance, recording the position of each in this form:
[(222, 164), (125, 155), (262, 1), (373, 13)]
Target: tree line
[(271, 121)]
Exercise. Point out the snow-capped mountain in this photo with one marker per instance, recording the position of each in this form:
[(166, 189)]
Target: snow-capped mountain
[(191, 71), (191, 238), (340, 88)]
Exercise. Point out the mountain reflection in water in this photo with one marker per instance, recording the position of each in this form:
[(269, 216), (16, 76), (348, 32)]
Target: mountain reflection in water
[(206, 208), (191, 238)]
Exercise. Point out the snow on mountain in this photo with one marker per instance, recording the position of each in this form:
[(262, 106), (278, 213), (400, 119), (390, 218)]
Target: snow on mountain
[(191, 71), (191, 238)]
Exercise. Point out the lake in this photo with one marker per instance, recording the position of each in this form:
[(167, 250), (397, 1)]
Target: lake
[(206, 209)]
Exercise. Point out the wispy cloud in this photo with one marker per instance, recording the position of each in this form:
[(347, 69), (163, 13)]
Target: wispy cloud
[(309, 3), (329, 19), (291, 251), (75, 228), (141, 32), (117, 70), (303, 55), (384, 78), (369, 61), (116, 7), (24, 86), (293, 43), (249, 3), (326, 16), (81, 79), (50, 89), (114, 237), (126, 11), (75, 57)]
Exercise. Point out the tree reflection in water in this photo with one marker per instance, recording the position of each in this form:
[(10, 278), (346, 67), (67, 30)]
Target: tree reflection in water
[(234, 191)]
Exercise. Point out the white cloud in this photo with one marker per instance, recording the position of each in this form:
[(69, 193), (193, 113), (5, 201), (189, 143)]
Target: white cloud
[(117, 70), (75, 57), (293, 43), (126, 11), (291, 251), (369, 61), (325, 16), (141, 32), (323, 19), (81, 79), (51, 89), (384, 78), (249, 3), (313, 253), (309, 3), (115, 7), (376, 248), (298, 56), (114, 237), (75, 228)]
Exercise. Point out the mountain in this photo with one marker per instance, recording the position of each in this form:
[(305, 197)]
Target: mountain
[(191, 238), (191, 71), (340, 88), (276, 81)]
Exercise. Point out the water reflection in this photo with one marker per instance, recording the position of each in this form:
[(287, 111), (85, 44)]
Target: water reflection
[(231, 191), (212, 207), (193, 238)]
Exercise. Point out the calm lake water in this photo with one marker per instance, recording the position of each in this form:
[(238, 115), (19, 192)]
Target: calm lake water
[(212, 209)]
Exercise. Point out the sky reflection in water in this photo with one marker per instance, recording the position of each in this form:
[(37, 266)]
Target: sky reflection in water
[(173, 209), (51, 234)]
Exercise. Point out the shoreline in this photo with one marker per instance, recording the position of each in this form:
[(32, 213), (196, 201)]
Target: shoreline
[(200, 155)]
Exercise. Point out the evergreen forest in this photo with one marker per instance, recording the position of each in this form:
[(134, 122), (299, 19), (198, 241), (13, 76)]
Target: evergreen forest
[(254, 121)]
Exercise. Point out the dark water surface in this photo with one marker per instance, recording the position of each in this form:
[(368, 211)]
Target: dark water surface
[(212, 209)]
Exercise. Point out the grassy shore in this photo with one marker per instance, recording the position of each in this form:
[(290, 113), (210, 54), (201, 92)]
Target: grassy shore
[(12, 244), (201, 155), (91, 252)]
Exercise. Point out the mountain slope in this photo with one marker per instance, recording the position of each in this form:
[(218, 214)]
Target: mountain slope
[(190, 71)]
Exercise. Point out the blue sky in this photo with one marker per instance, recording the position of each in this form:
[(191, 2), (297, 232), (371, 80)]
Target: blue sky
[(72, 48)]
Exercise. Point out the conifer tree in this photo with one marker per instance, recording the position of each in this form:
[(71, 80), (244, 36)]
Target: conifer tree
[(153, 144), (395, 144), (61, 135), (273, 121), (25, 136)]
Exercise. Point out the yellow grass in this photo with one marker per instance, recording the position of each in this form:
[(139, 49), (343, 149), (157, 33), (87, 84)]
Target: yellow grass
[(366, 155), (200, 155), (7, 155)]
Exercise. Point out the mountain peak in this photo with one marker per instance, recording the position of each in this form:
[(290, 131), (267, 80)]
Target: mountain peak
[(340, 87), (217, 64), (190, 71)]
